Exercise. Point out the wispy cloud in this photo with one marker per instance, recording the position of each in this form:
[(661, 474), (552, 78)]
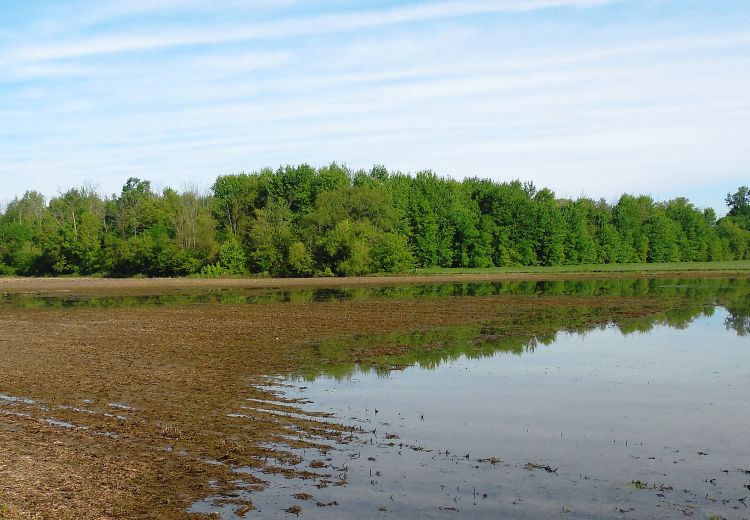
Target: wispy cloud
[(573, 94), (286, 28)]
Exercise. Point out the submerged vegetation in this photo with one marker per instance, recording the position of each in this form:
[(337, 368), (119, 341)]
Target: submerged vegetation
[(303, 221)]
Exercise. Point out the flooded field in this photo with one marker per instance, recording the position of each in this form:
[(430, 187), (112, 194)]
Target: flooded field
[(594, 425), (614, 398)]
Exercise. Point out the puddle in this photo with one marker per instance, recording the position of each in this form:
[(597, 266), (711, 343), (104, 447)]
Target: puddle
[(37, 411), (604, 424), (120, 406), (13, 399), (59, 423)]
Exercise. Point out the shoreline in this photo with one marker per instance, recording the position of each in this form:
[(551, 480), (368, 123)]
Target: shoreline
[(151, 285)]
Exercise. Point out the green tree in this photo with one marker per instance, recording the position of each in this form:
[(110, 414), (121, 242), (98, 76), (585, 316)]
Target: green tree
[(391, 253), (302, 221), (579, 246), (694, 233), (662, 236), (300, 260), (629, 217), (735, 239), (739, 202), (236, 197), (232, 256), (549, 229), (270, 236)]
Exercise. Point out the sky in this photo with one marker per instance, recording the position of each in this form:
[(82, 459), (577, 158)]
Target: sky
[(587, 97)]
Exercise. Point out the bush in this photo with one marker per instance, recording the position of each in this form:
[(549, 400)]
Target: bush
[(232, 257), (213, 271)]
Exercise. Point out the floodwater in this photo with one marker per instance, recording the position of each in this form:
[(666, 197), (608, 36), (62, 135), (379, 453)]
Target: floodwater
[(702, 291), (633, 415), (605, 424)]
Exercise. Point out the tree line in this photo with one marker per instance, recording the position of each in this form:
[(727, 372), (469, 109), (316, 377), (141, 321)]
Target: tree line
[(306, 221)]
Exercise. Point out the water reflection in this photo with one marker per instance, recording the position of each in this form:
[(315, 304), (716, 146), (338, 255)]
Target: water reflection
[(428, 349), (703, 290), (647, 421)]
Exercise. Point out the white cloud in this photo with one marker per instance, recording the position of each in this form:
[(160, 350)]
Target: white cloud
[(285, 28), (575, 112)]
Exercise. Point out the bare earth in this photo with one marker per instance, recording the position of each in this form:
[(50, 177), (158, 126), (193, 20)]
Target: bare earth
[(122, 411)]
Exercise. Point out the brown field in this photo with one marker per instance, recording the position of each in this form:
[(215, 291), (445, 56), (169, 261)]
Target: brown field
[(181, 369)]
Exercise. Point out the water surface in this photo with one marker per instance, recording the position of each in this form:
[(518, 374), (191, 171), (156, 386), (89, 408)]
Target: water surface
[(700, 290), (598, 425)]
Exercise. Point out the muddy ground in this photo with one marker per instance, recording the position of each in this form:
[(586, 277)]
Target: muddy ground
[(122, 412)]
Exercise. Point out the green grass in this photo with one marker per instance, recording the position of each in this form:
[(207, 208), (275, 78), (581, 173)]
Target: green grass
[(734, 265)]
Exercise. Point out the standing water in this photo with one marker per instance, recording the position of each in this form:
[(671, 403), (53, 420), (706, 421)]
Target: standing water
[(605, 424)]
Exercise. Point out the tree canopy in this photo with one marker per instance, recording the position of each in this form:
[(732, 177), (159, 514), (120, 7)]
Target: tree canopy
[(305, 221)]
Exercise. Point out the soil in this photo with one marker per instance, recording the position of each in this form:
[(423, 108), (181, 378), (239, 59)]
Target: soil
[(127, 411)]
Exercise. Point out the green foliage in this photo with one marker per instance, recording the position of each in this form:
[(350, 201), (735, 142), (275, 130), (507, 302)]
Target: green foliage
[(270, 235), (629, 217), (300, 261), (306, 221), (236, 197), (735, 239), (579, 245), (213, 271), (739, 202), (662, 236), (232, 257), (391, 253)]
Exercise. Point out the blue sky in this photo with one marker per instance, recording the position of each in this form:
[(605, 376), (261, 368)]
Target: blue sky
[(587, 97)]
